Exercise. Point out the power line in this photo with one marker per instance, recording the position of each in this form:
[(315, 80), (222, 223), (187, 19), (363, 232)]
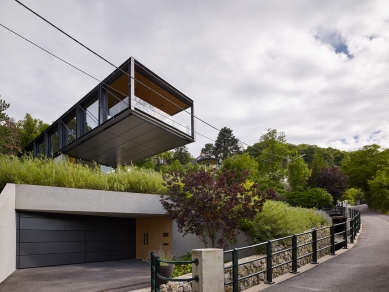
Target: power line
[(86, 111), (82, 72), (93, 52)]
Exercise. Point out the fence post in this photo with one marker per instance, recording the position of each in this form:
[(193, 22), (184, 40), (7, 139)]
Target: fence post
[(152, 264), (156, 278), (332, 232), (352, 230), (210, 270), (269, 263), (345, 234), (314, 247), (235, 270), (294, 254)]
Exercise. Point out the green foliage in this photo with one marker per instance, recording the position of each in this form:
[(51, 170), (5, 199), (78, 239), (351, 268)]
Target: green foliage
[(180, 270), (204, 203), (320, 160), (298, 174), (29, 129), (182, 155), (226, 144), (49, 172), (362, 165), (9, 137), (278, 219), (271, 152), (379, 194), (207, 149), (241, 163), (313, 198), (3, 107), (353, 195), (147, 163)]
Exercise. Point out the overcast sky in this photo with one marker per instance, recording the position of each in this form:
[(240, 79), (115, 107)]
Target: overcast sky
[(316, 70)]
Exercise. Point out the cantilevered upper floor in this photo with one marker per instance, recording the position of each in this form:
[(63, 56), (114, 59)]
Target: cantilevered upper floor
[(132, 114)]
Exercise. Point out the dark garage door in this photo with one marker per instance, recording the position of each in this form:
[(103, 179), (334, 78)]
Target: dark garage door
[(48, 239)]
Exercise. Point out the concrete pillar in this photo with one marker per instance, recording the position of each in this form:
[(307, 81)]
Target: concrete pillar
[(210, 270)]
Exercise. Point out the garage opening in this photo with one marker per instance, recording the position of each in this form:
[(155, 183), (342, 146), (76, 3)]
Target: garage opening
[(51, 239)]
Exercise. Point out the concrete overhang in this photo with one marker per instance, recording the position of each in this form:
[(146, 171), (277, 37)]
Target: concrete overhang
[(131, 136), (86, 202)]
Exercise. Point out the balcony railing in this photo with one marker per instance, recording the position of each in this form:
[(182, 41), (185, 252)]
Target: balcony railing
[(150, 110)]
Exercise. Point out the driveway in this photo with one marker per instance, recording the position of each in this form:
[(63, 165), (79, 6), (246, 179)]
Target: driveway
[(115, 276), (363, 268)]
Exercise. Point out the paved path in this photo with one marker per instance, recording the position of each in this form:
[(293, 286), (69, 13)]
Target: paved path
[(363, 268)]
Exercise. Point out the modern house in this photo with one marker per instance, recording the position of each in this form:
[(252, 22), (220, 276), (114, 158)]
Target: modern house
[(132, 114)]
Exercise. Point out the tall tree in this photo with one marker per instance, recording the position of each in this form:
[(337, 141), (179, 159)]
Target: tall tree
[(271, 152), (334, 180), (308, 151), (207, 149), (182, 155), (298, 174), (226, 144), (379, 191), (205, 204), (30, 128), (4, 131), (319, 162), (12, 147), (362, 165), (9, 138)]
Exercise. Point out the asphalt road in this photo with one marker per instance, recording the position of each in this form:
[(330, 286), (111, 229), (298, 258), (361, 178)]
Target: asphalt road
[(363, 268), (111, 276)]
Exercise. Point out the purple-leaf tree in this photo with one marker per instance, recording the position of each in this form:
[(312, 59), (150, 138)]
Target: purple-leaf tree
[(334, 180), (211, 205)]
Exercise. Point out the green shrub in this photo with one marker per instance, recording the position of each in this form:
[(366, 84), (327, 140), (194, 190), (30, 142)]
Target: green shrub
[(379, 191), (279, 219), (241, 163), (313, 198), (180, 270), (48, 172), (353, 195)]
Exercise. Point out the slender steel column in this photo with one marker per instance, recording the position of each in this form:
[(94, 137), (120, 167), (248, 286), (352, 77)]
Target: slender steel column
[(103, 105)]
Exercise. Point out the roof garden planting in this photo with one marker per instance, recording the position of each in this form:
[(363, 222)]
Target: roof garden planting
[(62, 173)]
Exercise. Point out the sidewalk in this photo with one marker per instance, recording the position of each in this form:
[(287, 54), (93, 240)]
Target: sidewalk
[(364, 267)]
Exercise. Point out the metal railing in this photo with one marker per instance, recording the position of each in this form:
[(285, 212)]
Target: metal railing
[(348, 234), (156, 276)]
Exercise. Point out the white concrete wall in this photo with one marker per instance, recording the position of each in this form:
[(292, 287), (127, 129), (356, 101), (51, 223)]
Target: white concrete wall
[(7, 232), (87, 202), (182, 245)]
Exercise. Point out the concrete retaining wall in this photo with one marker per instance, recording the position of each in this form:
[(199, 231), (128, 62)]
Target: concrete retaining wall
[(7, 232)]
